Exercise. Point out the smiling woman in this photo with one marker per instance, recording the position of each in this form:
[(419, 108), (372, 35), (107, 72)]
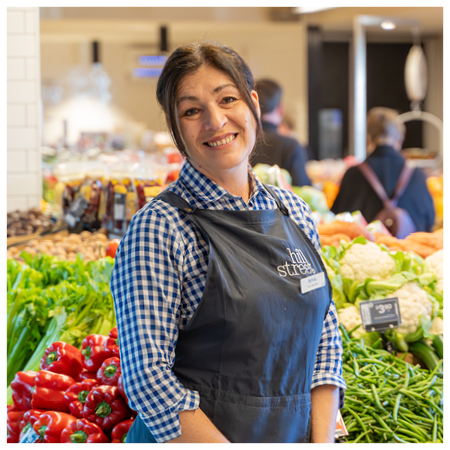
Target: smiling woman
[(218, 128), (218, 344)]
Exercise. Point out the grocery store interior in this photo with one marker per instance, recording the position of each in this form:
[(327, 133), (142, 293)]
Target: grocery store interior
[(88, 147)]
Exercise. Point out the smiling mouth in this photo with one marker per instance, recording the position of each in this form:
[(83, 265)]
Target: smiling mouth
[(223, 141)]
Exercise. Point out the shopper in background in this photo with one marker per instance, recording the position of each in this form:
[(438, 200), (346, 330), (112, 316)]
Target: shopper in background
[(221, 340), (385, 134), (276, 148)]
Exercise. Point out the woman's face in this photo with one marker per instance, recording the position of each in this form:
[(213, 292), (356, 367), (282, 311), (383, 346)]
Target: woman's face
[(217, 126)]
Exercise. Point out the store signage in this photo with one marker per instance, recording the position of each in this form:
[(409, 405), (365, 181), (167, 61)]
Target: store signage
[(154, 66), (380, 315)]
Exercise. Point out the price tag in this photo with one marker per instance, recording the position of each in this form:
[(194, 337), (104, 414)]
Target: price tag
[(380, 315), (29, 437), (76, 210), (340, 430)]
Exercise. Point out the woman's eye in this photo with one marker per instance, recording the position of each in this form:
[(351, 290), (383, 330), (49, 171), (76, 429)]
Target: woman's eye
[(190, 112), (227, 100)]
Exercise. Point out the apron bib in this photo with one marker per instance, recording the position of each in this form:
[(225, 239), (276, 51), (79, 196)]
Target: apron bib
[(250, 347)]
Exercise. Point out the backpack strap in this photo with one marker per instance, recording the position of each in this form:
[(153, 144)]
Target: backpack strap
[(402, 183)]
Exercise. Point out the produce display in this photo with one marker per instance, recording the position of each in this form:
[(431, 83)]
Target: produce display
[(64, 375), (92, 246), (387, 399), (66, 401), (20, 223), (50, 300)]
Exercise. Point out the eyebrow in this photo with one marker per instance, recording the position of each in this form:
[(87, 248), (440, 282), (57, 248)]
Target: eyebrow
[(215, 91)]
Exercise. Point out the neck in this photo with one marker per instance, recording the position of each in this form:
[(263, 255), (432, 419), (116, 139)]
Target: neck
[(236, 181)]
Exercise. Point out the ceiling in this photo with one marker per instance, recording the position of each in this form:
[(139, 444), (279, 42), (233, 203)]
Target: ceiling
[(334, 22)]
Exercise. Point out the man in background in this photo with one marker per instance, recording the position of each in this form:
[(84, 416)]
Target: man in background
[(284, 151), (385, 134)]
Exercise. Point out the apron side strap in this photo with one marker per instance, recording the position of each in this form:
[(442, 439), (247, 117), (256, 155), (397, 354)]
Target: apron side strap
[(175, 200), (280, 204)]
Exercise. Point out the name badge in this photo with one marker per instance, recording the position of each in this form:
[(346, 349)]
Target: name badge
[(314, 282)]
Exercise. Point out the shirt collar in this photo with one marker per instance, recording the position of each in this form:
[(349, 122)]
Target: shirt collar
[(206, 190)]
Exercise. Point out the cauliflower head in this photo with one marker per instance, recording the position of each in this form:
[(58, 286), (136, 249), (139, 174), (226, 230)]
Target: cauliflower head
[(362, 261), (413, 302), (435, 264), (350, 317), (437, 326)]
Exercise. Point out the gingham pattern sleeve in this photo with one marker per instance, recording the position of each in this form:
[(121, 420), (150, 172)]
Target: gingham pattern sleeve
[(328, 366), (146, 288)]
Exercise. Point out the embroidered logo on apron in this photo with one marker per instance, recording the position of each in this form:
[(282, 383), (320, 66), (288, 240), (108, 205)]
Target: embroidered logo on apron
[(296, 265)]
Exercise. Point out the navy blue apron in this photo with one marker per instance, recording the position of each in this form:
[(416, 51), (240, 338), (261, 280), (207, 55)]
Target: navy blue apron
[(250, 348)]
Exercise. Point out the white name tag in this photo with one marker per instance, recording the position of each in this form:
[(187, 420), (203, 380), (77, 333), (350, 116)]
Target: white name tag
[(315, 282)]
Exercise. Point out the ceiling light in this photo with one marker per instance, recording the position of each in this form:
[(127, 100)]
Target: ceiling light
[(310, 9), (388, 25)]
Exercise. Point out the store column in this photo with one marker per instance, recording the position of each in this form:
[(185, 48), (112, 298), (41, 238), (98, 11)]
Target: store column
[(24, 179)]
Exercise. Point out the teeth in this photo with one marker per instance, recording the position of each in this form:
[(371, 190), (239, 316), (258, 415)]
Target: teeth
[(222, 142)]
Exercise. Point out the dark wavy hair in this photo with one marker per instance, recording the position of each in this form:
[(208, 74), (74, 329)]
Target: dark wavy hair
[(187, 60)]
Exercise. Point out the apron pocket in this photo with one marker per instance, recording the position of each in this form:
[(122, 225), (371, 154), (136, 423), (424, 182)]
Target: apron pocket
[(246, 419)]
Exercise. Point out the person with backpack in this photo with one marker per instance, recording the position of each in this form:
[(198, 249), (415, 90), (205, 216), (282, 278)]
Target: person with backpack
[(384, 187)]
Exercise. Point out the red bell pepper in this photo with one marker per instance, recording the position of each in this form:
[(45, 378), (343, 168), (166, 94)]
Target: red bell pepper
[(14, 417), (50, 425), (106, 407), (63, 358), (28, 420), (49, 391), (86, 374), (75, 396), (93, 352), (109, 372), (112, 343), (120, 431), (114, 333), (121, 388), (83, 432), (21, 386)]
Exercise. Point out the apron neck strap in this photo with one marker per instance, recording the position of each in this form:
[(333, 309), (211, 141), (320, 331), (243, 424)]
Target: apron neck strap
[(280, 204), (176, 201)]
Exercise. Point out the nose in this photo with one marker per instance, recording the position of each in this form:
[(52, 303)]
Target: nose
[(215, 118)]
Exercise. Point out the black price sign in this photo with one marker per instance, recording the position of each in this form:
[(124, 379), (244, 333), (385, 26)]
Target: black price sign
[(380, 315), (76, 210)]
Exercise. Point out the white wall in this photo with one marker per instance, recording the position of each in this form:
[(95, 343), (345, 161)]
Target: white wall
[(24, 180)]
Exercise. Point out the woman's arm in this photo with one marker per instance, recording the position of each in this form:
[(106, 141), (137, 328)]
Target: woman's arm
[(196, 427), (324, 408)]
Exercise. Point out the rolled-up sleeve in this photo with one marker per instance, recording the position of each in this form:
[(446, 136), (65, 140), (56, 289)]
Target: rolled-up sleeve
[(146, 286)]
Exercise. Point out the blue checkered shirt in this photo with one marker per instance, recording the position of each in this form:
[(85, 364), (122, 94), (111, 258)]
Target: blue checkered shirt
[(158, 281)]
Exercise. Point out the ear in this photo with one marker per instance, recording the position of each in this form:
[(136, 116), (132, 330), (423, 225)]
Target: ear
[(255, 100)]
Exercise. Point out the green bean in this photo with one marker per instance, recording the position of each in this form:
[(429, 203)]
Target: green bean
[(435, 431), (414, 427), (361, 436), (376, 399), (402, 430), (424, 387), (397, 406), (358, 420), (381, 422)]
